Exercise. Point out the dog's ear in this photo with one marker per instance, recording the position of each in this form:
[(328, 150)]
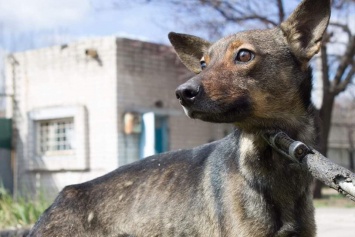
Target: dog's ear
[(190, 49), (305, 27)]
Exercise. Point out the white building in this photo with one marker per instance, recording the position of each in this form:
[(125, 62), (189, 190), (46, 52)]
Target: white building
[(341, 142)]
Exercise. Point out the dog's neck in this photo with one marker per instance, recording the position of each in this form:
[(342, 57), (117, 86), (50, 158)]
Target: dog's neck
[(267, 171), (257, 160), (300, 127)]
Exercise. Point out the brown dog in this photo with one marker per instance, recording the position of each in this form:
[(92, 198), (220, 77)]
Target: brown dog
[(238, 186)]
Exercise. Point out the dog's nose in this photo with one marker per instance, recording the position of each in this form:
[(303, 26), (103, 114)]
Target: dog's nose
[(187, 93)]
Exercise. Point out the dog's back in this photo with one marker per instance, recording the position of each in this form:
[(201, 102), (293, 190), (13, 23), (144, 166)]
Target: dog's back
[(238, 186), (172, 194), (197, 192)]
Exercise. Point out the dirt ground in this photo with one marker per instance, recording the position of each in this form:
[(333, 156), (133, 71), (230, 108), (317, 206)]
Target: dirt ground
[(335, 215), (335, 221)]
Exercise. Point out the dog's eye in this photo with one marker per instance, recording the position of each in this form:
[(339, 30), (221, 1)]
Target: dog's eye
[(203, 64), (244, 56)]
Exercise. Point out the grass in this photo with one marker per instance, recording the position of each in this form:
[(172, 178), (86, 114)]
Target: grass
[(19, 213), (332, 198)]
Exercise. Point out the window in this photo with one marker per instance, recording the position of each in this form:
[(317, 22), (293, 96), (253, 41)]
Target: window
[(58, 139), (55, 136)]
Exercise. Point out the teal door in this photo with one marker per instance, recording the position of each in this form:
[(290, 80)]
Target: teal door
[(155, 134), (161, 134), (5, 133), (6, 174)]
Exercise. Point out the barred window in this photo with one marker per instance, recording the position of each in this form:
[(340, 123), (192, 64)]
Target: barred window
[(55, 136)]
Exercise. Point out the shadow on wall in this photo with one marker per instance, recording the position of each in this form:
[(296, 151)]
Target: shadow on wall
[(31, 183)]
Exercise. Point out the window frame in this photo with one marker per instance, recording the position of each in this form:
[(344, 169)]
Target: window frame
[(76, 159), (52, 134)]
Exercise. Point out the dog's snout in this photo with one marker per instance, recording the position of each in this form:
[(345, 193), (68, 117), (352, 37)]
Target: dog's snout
[(187, 93)]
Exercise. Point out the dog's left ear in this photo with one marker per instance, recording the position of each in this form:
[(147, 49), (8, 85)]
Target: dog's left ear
[(305, 27)]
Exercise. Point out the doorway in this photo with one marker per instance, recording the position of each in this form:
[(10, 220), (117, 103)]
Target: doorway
[(155, 134)]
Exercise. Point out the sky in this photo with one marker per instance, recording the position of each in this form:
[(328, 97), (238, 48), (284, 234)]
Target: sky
[(37, 23), (41, 22)]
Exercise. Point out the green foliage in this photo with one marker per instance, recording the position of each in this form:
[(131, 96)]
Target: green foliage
[(19, 213)]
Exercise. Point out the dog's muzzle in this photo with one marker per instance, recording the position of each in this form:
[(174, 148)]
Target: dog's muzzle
[(187, 93)]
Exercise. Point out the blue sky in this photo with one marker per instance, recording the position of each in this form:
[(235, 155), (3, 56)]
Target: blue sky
[(34, 23), (28, 24)]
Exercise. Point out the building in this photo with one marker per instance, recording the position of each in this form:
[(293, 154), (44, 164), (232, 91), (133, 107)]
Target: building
[(83, 109), (341, 142)]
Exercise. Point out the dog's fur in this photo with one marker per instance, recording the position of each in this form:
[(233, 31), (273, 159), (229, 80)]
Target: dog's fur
[(238, 186)]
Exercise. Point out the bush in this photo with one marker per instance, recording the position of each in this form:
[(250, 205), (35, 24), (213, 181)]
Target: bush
[(19, 213)]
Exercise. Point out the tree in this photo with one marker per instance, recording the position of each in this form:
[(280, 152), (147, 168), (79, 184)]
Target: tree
[(337, 64)]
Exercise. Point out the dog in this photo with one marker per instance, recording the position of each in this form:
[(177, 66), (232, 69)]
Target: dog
[(259, 80)]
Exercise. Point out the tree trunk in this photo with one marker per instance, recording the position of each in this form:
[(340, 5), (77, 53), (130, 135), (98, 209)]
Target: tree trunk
[(351, 148), (325, 114), (351, 160)]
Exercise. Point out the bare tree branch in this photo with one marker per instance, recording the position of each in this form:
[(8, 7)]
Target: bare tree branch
[(345, 61), (243, 17), (281, 10), (341, 4), (344, 27), (347, 80)]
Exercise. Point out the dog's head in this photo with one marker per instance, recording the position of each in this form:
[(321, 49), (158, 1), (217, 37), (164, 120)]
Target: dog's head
[(253, 78)]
